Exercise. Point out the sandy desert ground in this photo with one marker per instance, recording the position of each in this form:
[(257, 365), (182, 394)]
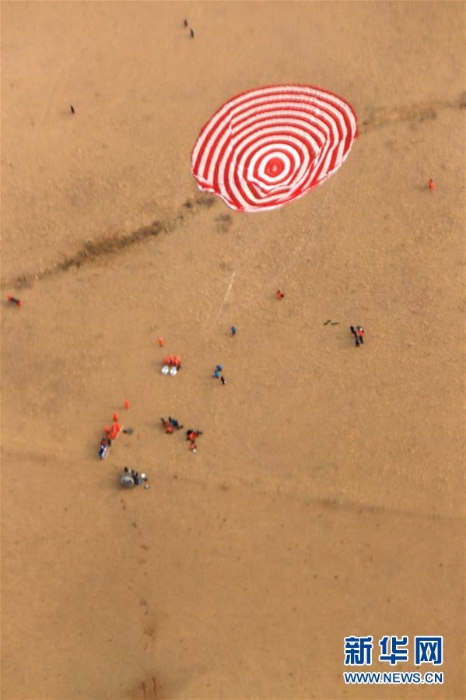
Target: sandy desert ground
[(327, 495)]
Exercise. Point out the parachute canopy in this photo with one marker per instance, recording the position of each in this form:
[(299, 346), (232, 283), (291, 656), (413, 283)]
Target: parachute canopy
[(266, 147)]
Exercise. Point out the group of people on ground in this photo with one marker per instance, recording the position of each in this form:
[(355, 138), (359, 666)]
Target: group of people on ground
[(111, 434), (172, 424), (130, 477)]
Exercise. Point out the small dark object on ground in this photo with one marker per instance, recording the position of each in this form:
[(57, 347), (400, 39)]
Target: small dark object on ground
[(72, 109), (191, 31)]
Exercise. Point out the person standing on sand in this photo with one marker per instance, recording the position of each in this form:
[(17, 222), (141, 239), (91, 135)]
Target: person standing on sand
[(103, 448), (166, 425), (107, 436), (174, 423), (356, 338), (360, 334)]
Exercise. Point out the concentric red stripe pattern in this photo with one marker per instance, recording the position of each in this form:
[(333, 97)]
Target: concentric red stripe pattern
[(268, 146)]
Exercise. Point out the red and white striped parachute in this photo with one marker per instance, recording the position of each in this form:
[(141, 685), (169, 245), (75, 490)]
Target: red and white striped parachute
[(268, 146)]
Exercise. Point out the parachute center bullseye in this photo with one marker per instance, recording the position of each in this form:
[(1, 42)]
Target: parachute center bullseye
[(274, 167)]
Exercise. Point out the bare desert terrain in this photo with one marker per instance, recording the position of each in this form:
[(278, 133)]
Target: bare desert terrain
[(326, 498)]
